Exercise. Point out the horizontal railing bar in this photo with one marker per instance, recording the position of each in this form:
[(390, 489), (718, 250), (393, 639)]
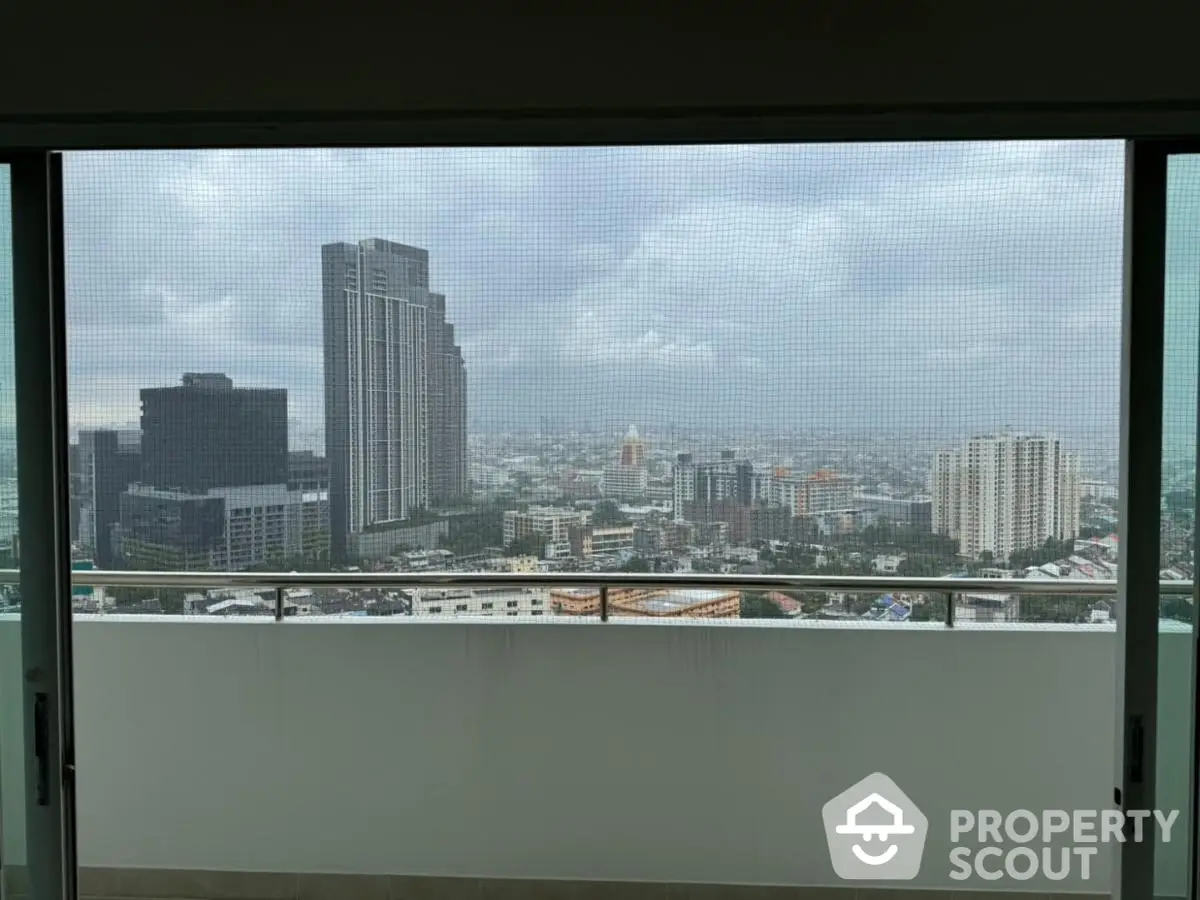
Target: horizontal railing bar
[(848, 583)]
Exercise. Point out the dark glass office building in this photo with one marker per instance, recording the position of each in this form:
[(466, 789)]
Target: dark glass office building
[(106, 468), (169, 530), (205, 433)]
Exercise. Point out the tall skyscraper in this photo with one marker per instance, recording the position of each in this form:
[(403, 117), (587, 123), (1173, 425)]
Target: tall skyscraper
[(1000, 493), (106, 468), (633, 448), (447, 409), (395, 390), (628, 478), (205, 433), (683, 489)]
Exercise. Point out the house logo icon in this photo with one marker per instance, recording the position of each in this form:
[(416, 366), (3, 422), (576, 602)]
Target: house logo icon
[(875, 831)]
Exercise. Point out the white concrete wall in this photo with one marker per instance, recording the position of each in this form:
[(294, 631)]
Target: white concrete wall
[(626, 751), (1173, 755)]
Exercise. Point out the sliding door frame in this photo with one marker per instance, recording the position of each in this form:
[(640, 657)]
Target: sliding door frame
[(1142, 396), (43, 484)]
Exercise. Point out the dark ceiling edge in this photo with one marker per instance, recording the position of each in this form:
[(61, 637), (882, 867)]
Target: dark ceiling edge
[(584, 114), (563, 126)]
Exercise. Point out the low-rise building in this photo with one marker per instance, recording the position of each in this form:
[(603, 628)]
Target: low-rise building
[(222, 529), (649, 602), (839, 521), (987, 608), (552, 523), (822, 491), (525, 564), (600, 540), (663, 537), (624, 482), (887, 564), (915, 512), (234, 602), (578, 484), (386, 538), (484, 602)]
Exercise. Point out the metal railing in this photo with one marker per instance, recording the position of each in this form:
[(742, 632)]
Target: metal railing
[(946, 586)]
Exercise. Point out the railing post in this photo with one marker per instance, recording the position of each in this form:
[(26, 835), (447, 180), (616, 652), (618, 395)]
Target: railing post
[(278, 603), (604, 603), (950, 609)]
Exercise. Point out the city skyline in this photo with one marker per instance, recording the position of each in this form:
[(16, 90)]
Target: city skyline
[(901, 288), (825, 318)]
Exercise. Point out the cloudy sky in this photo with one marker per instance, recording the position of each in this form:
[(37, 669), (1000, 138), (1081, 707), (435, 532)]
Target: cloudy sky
[(901, 288)]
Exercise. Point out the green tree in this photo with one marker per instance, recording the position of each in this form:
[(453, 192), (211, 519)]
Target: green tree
[(1056, 608), (636, 564), (1177, 608), (932, 610), (607, 513), (172, 600), (921, 565), (130, 596), (472, 533), (1049, 552), (860, 604), (758, 606), (885, 536), (291, 564)]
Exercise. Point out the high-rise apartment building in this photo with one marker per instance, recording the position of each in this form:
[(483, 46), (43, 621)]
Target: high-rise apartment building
[(204, 433), (944, 490), (683, 488), (633, 449), (627, 478), (822, 491), (826, 490), (447, 409), (999, 493), (699, 487), (395, 390)]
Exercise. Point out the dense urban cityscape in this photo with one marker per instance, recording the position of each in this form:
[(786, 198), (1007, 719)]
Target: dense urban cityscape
[(208, 482)]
